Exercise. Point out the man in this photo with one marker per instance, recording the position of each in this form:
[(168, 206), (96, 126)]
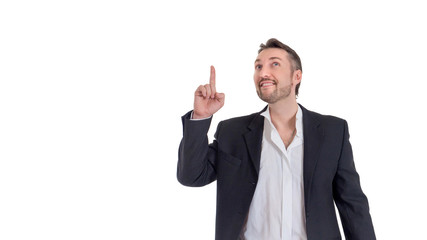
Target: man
[(278, 171)]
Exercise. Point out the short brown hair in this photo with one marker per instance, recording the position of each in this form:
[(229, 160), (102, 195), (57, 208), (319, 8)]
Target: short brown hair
[(293, 56)]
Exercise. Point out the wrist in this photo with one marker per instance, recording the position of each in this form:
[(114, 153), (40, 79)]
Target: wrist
[(196, 116)]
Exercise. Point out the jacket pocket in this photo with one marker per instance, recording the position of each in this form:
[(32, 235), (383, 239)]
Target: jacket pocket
[(229, 159)]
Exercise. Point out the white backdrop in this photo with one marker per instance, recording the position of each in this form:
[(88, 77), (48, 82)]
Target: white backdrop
[(91, 94)]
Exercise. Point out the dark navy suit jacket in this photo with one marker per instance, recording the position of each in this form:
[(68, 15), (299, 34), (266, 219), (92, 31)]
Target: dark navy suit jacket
[(233, 159)]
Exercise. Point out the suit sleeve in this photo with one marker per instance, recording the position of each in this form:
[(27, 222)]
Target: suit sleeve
[(351, 202), (196, 157)]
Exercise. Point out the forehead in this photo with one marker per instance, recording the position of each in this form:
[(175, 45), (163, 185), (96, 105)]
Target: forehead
[(272, 53)]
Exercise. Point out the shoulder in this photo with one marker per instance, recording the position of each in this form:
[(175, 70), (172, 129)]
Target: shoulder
[(245, 120), (325, 118), (240, 125), (312, 117), (242, 120)]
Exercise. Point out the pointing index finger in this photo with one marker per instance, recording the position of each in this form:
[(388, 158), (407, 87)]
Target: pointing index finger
[(212, 81)]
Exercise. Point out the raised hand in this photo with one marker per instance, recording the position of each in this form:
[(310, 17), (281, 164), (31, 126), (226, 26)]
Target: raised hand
[(207, 100)]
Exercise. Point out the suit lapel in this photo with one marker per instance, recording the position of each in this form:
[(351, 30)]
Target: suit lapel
[(253, 139), (313, 138)]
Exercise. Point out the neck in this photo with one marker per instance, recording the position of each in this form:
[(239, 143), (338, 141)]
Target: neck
[(283, 113)]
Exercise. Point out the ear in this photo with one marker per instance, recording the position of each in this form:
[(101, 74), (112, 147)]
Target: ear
[(296, 77)]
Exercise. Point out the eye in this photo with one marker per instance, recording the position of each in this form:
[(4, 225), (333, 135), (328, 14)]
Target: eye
[(257, 67), (276, 64)]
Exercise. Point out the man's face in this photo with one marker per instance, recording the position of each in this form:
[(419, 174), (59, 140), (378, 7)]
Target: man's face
[(273, 76)]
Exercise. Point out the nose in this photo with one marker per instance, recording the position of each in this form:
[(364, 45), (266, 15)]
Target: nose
[(264, 73)]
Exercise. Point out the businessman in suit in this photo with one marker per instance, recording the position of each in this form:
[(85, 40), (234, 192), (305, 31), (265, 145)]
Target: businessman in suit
[(279, 171)]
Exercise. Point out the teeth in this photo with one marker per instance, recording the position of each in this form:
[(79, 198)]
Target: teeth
[(266, 84)]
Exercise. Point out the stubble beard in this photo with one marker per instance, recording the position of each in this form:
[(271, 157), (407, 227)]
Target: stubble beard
[(276, 95)]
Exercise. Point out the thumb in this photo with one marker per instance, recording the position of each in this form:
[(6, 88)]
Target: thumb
[(220, 96)]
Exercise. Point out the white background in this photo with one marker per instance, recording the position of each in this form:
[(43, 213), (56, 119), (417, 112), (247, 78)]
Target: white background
[(91, 94)]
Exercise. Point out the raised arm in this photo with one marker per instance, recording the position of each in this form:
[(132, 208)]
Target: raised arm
[(197, 158)]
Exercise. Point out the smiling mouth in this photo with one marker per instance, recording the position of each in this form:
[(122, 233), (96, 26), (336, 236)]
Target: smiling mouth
[(264, 84)]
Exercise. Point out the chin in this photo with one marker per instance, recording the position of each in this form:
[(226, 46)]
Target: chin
[(268, 98)]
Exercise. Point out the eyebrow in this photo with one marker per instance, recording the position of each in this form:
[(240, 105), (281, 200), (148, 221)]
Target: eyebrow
[(272, 58)]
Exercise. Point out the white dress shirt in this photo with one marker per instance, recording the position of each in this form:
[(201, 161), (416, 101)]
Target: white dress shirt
[(277, 208)]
